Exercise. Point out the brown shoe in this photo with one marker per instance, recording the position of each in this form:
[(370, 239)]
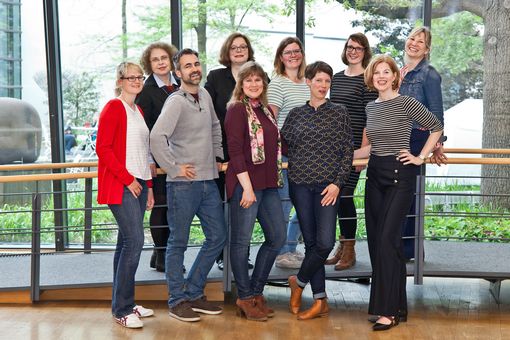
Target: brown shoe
[(338, 252), (295, 295), (248, 308), (319, 309), (261, 303), (348, 258)]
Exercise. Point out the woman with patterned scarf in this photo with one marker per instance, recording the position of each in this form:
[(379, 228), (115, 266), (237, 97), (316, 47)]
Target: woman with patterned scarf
[(253, 176)]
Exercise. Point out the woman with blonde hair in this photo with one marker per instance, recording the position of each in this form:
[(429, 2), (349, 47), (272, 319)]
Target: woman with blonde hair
[(252, 180)]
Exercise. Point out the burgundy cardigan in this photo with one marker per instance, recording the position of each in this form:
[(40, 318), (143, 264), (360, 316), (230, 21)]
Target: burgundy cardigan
[(112, 174), (262, 176)]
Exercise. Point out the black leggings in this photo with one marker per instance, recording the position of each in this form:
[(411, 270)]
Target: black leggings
[(347, 213)]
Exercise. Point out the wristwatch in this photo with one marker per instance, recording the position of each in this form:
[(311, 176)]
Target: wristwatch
[(422, 157)]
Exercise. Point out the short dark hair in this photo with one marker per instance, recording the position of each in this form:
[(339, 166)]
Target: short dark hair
[(361, 39), (145, 60), (316, 67), (179, 54), (225, 49)]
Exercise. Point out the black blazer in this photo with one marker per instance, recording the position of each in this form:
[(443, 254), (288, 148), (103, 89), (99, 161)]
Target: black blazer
[(152, 98)]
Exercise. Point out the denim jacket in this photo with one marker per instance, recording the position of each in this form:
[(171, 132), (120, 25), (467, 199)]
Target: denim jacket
[(424, 84)]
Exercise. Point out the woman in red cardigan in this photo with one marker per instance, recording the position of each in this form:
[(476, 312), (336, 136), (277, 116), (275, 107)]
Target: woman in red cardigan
[(125, 184)]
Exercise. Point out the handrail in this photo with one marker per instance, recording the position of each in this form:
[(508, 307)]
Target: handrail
[(43, 166), (93, 174)]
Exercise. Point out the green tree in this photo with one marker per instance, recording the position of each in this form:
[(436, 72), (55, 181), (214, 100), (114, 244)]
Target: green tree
[(80, 95)]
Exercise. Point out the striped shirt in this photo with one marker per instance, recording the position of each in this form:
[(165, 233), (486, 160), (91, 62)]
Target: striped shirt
[(389, 123), (286, 95), (137, 144)]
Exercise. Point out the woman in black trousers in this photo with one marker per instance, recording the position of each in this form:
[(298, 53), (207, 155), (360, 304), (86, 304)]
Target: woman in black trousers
[(389, 188)]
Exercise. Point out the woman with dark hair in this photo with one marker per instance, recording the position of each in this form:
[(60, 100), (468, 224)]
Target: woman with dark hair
[(235, 51), (253, 177), (320, 150), (389, 187), (348, 88), (421, 81), (286, 91), (161, 82), (124, 183)]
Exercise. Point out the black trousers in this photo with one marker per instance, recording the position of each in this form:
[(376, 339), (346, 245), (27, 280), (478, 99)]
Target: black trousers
[(389, 193)]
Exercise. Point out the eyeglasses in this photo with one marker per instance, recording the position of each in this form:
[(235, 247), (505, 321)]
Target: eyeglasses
[(157, 60), (288, 53), (132, 79), (357, 49), (240, 47)]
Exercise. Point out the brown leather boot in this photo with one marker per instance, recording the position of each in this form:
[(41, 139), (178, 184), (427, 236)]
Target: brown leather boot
[(319, 309), (348, 258), (261, 303), (295, 295), (248, 308), (338, 252)]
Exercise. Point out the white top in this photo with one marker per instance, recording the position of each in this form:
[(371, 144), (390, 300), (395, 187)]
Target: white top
[(138, 156), (286, 95)]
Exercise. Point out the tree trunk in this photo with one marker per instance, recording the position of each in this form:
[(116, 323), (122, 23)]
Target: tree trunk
[(201, 30), (124, 31), (496, 100)]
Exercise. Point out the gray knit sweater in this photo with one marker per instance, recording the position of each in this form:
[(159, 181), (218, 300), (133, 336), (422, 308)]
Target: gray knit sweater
[(187, 131)]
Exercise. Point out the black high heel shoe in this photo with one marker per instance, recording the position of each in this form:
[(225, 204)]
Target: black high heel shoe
[(401, 315), (383, 327)]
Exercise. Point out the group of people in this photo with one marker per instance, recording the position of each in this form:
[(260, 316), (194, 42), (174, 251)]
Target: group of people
[(256, 125)]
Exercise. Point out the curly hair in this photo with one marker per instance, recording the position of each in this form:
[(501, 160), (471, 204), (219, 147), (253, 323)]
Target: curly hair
[(145, 60)]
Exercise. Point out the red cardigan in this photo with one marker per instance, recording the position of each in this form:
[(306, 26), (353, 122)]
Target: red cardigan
[(112, 174)]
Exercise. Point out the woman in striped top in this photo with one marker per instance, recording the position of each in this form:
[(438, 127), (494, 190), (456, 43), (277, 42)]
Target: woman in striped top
[(286, 91), (348, 88), (389, 188)]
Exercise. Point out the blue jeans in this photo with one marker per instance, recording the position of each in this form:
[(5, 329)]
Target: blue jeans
[(293, 229), (185, 200), (130, 239), (318, 224), (268, 210)]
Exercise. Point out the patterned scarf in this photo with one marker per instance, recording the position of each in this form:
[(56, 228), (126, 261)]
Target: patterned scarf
[(257, 137)]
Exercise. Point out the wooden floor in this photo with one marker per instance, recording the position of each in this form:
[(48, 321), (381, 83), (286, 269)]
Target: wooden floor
[(440, 309)]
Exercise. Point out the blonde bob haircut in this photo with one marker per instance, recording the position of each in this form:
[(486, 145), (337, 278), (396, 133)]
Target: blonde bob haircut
[(122, 71), (428, 37), (279, 67), (248, 69), (379, 59)]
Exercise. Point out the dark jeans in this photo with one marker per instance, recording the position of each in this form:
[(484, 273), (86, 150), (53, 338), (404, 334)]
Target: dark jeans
[(130, 239), (418, 140), (318, 224), (185, 200), (388, 195), (347, 213), (268, 210)]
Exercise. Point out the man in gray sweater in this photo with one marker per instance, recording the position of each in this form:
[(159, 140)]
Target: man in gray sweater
[(185, 142)]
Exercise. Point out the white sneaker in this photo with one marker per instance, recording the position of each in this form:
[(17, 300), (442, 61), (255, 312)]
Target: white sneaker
[(130, 321), (142, 312), (298, 255)]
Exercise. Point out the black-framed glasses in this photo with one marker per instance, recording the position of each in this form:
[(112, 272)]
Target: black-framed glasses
[(357, 49), (240, 47), (132, 79), (288, 53)]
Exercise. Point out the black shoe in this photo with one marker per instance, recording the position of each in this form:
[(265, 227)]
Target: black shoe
[(152, 263), (183, 269), (160, 260), (383, 327), (402, 317), (250, 265), (220, 264)]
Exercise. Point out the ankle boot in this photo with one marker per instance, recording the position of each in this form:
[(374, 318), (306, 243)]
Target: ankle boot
[(338, 252), (160, 260), (295, 295), (152, 263), (348, 258), (261, 303), (319, 309), (248, 308)]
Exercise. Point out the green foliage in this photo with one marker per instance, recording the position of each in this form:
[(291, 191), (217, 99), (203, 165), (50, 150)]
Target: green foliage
[(81, 95)]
